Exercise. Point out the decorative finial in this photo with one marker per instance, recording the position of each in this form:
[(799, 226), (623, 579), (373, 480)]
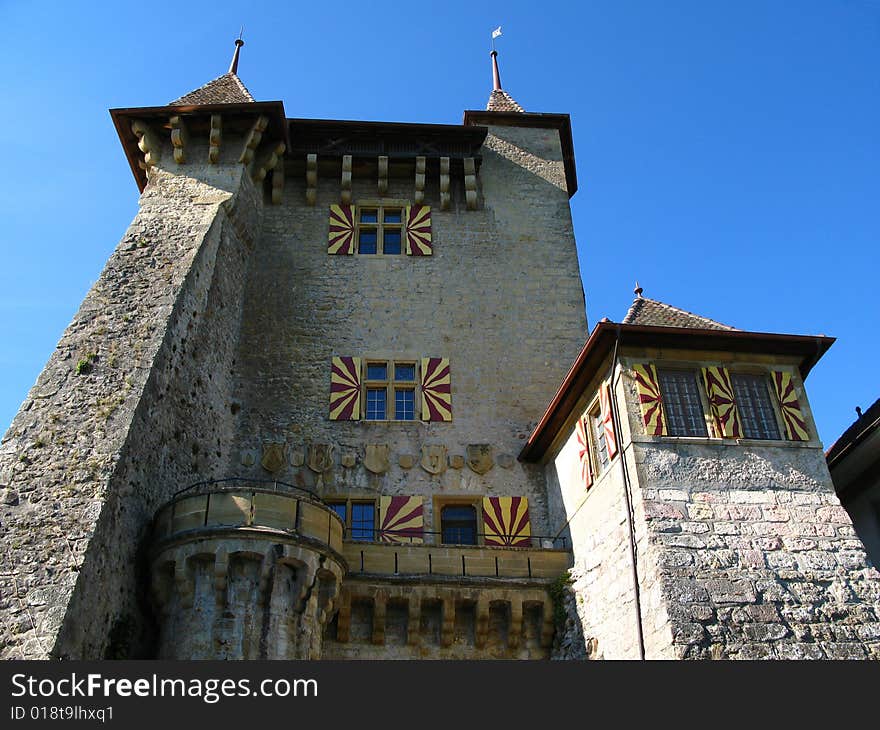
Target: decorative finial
[(233, 67), (496, 76), (858, 412), (638, 290)]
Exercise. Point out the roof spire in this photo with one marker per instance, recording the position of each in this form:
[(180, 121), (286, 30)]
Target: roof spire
[(638, 290), (496, 76), (233, 67)]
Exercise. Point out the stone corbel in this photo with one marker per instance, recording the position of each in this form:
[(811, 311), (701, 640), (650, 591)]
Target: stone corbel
[(445, 197), (345, 195), (148, 143), (414, 620), (214, 138), (179, 139), (420, 180), (380, 602), (383, 174), (481, 632), (253, 140), (516, 616), (277, 183), (268, 162), (447, 620), (311, 179), (343, 617), (221, 573), (470, 183)]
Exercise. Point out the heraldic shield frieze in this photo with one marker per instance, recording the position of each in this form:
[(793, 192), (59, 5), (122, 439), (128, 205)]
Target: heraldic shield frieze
[(433, 459), (320, 457), (273, 459), (376, 458), (479, 458)]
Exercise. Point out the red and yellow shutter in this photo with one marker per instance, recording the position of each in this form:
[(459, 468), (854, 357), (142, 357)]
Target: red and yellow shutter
[(792, 415), (722, 403), (583, 449), (418, 231), (341, 237), (345, 389), (650, 399), (436, 389), (401, 519), (608, 420), (506, 521)]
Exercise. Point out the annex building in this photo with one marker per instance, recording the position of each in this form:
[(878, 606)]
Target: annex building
[(334, 396)]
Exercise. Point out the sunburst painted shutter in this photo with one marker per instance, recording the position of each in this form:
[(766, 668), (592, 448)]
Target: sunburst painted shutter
[(722, 403), (418, 231), (608, 420), (583, 448), (341, 237), (345, 389), (650, 399), (792, 415), (436, 389), (401, 519), (506, 521)]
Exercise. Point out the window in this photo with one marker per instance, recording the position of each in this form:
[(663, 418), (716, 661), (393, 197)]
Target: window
[(390, 390), (597, 436), (380, 230), (362, 522), (755, 407), (682, 406), (458, 524)]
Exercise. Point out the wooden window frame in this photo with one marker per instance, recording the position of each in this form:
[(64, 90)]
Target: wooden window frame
[(457, 500), (593, 415), (380, 205), (349, 502), (765, 376), (701, 395), (391, 386)]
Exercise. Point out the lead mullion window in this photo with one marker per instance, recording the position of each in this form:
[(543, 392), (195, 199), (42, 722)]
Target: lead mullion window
[(752, 393), (404, 388), (376, 390), (682, 406)]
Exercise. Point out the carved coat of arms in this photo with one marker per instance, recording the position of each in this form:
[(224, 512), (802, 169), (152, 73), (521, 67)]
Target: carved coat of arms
[(376, 458), (479, 458), (433, 459), (320, 457), (272, 459)]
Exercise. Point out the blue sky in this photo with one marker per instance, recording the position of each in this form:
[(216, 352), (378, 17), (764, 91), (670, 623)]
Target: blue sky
[(727, 153)]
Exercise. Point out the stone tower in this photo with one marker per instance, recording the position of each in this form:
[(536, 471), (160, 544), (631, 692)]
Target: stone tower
[(284, 422)]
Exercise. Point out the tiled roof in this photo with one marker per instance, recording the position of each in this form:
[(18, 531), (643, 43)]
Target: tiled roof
[(658, 314), (225, 89), (863, 426), (501, 101)]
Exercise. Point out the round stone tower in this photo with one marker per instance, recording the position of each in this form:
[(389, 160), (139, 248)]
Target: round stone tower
[(245, 570)]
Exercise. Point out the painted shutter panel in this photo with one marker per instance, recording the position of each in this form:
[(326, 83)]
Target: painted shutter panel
[(436, 389), (795, 421), (401, 519), (719, 391), (418, 231), (341, 237), (583, 447), (506, 521), (608, 420), (650, 399), (345, 389)]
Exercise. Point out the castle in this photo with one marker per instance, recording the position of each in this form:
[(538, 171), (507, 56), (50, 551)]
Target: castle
[(331, 398)]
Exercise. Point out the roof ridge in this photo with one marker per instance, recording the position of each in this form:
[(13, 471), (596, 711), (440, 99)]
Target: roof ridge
[(501, 101), (640, 301), (210, 86)]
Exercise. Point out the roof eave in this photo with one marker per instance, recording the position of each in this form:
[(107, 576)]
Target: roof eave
[(809, 348), (560, 122)]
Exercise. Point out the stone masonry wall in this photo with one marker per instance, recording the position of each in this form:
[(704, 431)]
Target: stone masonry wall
[(97, 446), (501, 298)]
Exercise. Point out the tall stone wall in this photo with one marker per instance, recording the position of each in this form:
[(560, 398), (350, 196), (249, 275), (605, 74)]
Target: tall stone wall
[(132, 405), (501, 298)]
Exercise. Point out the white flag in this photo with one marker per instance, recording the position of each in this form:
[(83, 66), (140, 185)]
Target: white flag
[(496, 32)]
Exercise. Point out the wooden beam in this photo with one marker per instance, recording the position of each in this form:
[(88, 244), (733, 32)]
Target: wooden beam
[(383, 174)]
